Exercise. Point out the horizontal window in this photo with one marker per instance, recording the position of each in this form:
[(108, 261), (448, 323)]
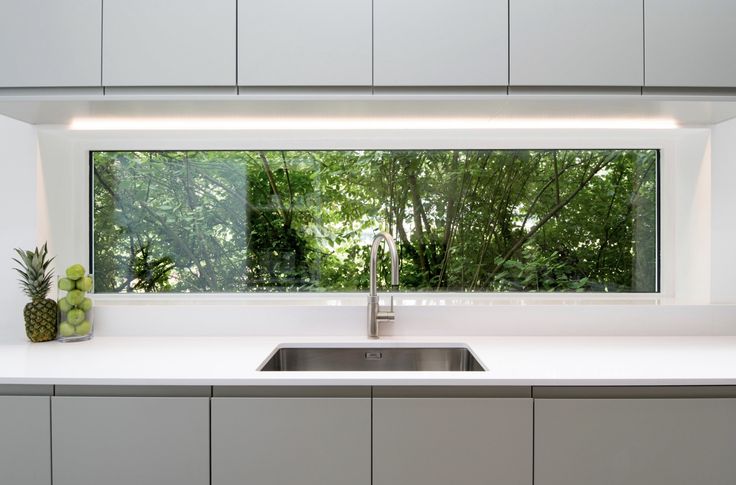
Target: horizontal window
[(463, 220)]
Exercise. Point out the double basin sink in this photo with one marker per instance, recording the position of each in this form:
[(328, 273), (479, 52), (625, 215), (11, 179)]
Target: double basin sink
[(319, 359)]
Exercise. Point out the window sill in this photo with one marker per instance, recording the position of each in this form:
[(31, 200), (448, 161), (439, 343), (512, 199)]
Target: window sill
[(400, 299)]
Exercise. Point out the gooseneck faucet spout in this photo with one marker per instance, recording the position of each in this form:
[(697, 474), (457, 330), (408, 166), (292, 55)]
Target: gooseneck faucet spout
[(375, 314)]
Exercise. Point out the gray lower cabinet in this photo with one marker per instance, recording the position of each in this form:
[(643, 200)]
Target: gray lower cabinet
[(283, 440), (454, 440), (635, 441), (368, 436), (25, 440), (130, 440)]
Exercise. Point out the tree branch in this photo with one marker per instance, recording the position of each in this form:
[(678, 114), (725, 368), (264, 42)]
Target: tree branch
[(556, 209)]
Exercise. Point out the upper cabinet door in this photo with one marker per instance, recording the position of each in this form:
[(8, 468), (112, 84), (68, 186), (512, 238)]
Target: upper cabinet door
[(440, 42), (166, 43), (690, 43), (304, 43), (46, 43), (576, 43)]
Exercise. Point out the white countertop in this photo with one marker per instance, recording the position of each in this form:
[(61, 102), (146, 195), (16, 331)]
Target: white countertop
[(523, 361)]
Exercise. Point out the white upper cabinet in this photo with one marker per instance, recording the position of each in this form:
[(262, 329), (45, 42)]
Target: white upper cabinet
[(354, 43), (166, 43), (304, 43), (576, 43), (440, 42), (50, 43), (690, 43)]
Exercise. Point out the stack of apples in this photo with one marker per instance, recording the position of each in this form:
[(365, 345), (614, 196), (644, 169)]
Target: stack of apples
[(75, 306)]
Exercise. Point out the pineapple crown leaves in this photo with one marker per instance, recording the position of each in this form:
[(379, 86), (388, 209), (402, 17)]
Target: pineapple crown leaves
[(35, 276)]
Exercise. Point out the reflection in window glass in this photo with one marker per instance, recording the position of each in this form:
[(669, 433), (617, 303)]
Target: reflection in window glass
[(464, 220)]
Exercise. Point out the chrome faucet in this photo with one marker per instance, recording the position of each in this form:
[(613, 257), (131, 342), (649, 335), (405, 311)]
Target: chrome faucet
[(375, 314)]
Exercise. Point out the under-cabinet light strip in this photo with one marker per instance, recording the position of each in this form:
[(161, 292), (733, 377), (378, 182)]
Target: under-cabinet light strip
[(94, 124)]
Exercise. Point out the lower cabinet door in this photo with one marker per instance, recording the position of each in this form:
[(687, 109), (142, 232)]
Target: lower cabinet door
[(457, 441), (285, 440), (25, 440), (130, 440), (635, 441)]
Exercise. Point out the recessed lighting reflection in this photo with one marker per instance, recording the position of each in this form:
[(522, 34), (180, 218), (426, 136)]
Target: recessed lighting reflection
[(392, 123)]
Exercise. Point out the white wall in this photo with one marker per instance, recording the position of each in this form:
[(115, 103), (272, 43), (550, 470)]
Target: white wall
[(723, 215), (18, 159), (692, 224), (63, 203), (46, 199), (682, 308)]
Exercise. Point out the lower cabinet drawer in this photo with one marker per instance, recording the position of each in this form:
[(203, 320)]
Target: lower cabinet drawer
[(291, 440), (130, 440), (459, 441), (635, 441)]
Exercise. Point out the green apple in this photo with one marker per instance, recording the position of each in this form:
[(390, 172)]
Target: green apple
[(75, 297), (85, 284), (75, 272), (86, 305), (83, 328), (64, 305), (66, 284), (66, 329), (75, 316)]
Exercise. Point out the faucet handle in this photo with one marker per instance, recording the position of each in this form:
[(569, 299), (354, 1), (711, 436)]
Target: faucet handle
[(387, 315)]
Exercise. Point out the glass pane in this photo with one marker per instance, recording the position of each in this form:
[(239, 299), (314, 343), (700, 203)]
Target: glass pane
[(464, 220)]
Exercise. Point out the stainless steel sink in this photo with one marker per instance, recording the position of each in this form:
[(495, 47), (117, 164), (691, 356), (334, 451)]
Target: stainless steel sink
[(372, 359)]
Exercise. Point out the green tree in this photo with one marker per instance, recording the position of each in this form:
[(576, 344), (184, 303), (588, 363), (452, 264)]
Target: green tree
[(464, 220)]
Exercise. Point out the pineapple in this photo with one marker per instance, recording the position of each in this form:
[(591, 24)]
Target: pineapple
[(35, 279)]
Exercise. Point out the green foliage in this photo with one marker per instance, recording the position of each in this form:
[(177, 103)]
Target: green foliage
[(151, 275), (535, 273), (33, 269), (464, 220)]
